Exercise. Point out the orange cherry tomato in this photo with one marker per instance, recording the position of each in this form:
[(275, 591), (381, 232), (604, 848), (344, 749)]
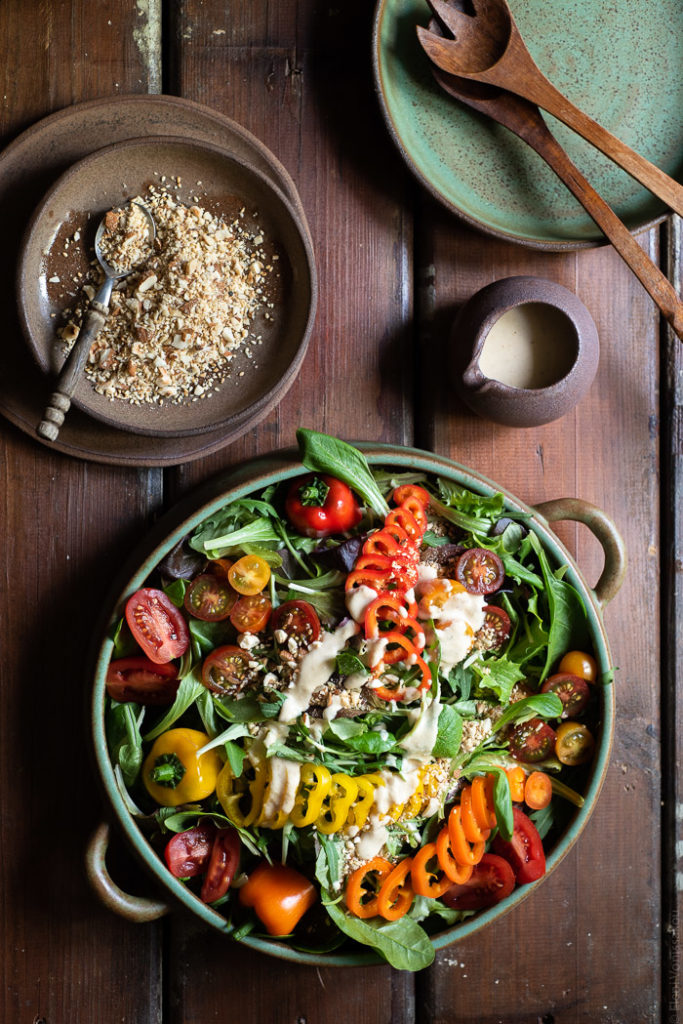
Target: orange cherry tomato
[(251, 613), (574, 743), (279, 896), (249, 574), (538, 791), (578, 663)]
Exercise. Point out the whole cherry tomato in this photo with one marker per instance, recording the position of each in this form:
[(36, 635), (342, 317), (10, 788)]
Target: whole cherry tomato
[(318, 505)]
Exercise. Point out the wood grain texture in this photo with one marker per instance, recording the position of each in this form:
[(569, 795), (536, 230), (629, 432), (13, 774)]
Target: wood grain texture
[(64, 526), (598, 941)]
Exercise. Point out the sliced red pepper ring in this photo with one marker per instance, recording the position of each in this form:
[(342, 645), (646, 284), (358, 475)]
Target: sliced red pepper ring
[(404, 518), (374, 561), (381, 543), (425, 881), (368, 877), (399, 647), (405, 491), (416, 508), (395, 896), (374, 578)]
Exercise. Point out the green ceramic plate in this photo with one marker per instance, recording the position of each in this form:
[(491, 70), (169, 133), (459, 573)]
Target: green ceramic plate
[(621, 62)]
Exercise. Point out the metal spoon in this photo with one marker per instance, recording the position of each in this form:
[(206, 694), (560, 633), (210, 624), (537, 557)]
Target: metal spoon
[(60, 400), (525, 120), (489, 48)]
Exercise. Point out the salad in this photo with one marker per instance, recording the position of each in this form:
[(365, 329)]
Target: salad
[(355, 706)]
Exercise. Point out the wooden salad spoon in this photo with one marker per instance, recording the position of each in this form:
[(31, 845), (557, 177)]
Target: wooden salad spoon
[(488, 48), (525, 120)]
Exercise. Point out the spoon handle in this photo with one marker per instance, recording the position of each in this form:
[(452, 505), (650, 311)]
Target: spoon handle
[(60, 400), (534, 86), (648, 273)]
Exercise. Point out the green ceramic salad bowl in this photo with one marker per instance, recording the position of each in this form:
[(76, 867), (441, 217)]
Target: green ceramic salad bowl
[(253, 478)]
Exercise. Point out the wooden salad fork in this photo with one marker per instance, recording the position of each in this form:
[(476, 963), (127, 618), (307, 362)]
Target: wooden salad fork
[(525, 120), (488, 48)]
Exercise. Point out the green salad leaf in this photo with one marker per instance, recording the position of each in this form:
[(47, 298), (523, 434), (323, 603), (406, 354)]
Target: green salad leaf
[(321, 453), (403, 943)]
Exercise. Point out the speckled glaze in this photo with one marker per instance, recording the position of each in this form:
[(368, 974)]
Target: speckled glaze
[(621, 63), (511, 406), (275, 469)]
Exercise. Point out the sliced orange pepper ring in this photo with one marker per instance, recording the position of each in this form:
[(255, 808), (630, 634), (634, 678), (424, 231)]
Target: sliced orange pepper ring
[(359, 883), (426, 882), (395, 896), (516, 778), (461, 849), (458, 873)]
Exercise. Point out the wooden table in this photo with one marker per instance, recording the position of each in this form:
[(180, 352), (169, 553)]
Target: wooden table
[(598, 941)]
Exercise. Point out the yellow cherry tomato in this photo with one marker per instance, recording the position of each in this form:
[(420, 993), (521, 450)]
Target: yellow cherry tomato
[(249, 574), (574, 743), (172, 772), (578, 663)]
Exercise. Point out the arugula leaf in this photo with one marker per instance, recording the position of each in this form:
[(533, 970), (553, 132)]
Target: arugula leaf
[(499, 675), (124, 740), (349, 664), (449, 732), (189, 690), (568, 618), (403, 943), (432, 540), (321, 453)]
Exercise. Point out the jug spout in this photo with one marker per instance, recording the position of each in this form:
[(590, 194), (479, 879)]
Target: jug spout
[(473, 378)]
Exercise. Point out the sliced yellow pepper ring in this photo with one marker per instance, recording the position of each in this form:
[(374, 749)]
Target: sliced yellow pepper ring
[(337, 803), (360, 809), (315, 785), (233, 793)]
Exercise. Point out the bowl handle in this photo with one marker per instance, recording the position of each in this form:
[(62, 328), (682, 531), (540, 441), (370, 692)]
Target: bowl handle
[(602, 527), (134, 908)]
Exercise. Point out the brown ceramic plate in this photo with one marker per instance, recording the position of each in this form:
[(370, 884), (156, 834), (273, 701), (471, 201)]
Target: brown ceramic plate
[(195, 173), (28, 167)]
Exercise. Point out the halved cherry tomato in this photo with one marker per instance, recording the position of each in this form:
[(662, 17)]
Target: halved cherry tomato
[(319, 505), (251, 613), (532, 741), (279, 895), (225, 670), (524, 852), (480, 571), (405, 491), (574, 744), (249, 574), (578, 663), (572, 690), (538, 791), (297, 619), (210, 598), (223, 861), (157, 625), (142, 681), (496, 628), (492, 879), (187, 853)]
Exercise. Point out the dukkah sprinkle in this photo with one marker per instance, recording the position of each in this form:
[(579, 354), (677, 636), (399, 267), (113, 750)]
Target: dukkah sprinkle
[(177, 320)]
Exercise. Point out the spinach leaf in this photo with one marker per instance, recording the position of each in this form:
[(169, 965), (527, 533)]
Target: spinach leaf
[(542, 705), (449, 732), (324, 454), (403, 943), (348, 664), (568, 619)]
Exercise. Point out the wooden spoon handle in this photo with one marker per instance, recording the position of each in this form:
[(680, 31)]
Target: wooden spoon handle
[(60, 400), (534, 86), (649, 275)]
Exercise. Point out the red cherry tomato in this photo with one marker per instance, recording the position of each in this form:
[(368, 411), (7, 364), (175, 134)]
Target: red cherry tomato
[(496, 628), (223, 861), (480, 571), (524, 852), (532, 741), (492, 879), (157, 625), (251, 613), (141, 681), (226, 669), (319, 505), (297, 619), (210, 598), (572, 690), (187, 853)]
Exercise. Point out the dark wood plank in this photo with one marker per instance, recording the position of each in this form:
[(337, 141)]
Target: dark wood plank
[(276, 70), (64, 526), (561, 941)]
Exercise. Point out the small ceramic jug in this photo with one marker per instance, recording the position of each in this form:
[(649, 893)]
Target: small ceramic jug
[(524, 351)]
